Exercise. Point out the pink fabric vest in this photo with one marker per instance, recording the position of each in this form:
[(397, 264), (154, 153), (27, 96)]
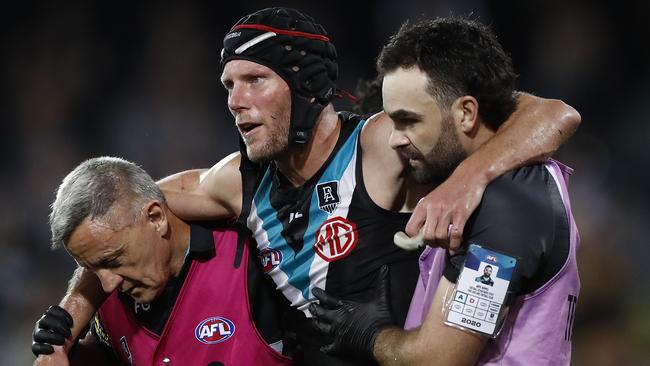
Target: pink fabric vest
[(210, 321), (538, 328)]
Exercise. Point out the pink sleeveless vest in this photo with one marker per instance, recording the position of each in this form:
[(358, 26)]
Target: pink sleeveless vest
[(210, 321), (538, 328)]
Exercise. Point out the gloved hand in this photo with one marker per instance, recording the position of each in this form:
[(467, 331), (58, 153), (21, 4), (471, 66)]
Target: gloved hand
[(354, 326), (51, 329)]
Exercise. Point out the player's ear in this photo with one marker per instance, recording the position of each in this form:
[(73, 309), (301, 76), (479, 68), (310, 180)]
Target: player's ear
[(465, 112), (157, 217)]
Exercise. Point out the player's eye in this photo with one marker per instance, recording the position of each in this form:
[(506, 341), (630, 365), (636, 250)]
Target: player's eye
[(110, 263), (255, 79)]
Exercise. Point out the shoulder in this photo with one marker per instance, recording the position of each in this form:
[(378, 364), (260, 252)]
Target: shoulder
[(519, 196), (375, 144), (222, 182), (383, 168), (226, 170), (377, 127), (517, 217), (516, 213), (521, 215)]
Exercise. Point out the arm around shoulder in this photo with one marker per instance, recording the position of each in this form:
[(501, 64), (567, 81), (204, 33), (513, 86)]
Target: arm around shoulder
[(205, 194), (556, 122), (534, 131)]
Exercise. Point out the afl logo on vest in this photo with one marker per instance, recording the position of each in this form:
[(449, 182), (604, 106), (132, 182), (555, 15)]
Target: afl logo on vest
[(336, 238), (270, 258), (214, 330)]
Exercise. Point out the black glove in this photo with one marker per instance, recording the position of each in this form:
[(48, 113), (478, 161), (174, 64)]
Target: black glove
[(51, 329), (353, 326)]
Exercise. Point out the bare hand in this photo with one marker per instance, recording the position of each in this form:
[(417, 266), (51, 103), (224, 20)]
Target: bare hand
[(451, 203), (58, 358)]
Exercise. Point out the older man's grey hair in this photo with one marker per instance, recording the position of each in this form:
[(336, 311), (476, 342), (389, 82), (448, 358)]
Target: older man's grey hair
[(96, 189)]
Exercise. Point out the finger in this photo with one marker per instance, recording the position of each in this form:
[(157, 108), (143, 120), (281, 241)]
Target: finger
[(325, 298), (407, 243), (49, 337), (416, 220), (55, 325), (442, 231), (322, 314), (429, 228), (321, 326), (330, 349), (456, 233), (316, 310), (42, 349), (60, 313)]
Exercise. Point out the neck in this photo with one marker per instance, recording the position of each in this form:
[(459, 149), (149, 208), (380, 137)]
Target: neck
[(179, 239), (301, 163), (479, 138)]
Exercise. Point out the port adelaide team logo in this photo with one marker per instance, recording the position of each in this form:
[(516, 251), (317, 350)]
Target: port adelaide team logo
[(270, 258), (328, 196), (214, 330), (336, 238)]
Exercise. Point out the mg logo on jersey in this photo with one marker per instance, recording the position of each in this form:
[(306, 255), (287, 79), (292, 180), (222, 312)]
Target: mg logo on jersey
[(214, 330), (336, 238), (270, 259), (328, 196)]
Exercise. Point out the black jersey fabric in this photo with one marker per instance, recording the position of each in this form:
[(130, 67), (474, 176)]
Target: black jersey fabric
[(521, 215)]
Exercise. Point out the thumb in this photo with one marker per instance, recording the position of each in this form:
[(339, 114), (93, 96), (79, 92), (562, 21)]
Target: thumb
[(416, 220), (329, 349), (326, 299)]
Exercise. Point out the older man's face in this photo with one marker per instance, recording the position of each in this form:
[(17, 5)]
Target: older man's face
[(134, 260)]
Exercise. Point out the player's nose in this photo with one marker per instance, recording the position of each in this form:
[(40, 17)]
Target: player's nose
[(237, 97), (109, 280), (397, 139)]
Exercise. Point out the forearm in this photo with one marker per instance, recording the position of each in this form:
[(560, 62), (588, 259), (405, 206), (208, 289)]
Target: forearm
[(83, 297), (532, 133), (426, 347), (434, 343), (397, 347)]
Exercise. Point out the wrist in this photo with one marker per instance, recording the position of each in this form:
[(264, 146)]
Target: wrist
[(476, 171)]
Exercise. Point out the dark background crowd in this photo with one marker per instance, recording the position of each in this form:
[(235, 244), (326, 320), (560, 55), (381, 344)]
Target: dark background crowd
[(140, 80)]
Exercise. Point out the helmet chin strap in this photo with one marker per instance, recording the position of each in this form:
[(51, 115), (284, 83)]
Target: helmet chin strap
[(304, 113)]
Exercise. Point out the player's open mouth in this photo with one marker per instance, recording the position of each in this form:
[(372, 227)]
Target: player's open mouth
[(247, 128)]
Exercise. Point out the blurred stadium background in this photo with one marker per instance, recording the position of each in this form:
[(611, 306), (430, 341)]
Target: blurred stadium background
[(140, 80)]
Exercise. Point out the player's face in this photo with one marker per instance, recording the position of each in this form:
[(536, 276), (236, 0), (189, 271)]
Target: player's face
[(260, 101), (487, 271), (134, 260), (422, 132)]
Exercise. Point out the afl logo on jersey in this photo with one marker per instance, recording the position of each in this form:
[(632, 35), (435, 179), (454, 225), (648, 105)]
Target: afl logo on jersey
[(336, 238), (214, 330), (328, 196), (270, 258)]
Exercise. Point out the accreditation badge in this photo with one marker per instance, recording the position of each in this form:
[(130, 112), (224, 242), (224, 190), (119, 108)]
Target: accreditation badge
[(478, 299)]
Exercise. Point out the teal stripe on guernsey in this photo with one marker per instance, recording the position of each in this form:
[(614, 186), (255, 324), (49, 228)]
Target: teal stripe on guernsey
[(297, 266)]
